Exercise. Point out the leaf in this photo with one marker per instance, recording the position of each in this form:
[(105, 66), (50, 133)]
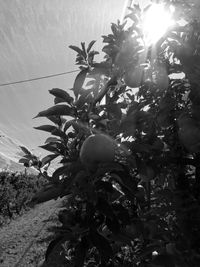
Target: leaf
[(58, 132), (93, 53), (47, 194), (50, 147), (52, 139), (23, 160), (25, 150), (108, 39), (114, 29), (52, 246), (90, 45), (61, 94), (83, 49), (55, 119), (46, 128), (79, 81), (68, 124), (76, 49), (58, 100), (86, 96), (60, 171), (58, 110), (29, 156), (47, 159), (91, 83), (102, 244)]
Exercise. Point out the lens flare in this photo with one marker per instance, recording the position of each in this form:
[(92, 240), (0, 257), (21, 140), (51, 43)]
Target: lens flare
[(156, 22)]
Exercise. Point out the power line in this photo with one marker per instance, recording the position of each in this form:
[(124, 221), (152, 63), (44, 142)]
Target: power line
[(39, 78)]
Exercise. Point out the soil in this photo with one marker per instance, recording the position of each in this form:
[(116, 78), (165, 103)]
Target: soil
[(23, 241)]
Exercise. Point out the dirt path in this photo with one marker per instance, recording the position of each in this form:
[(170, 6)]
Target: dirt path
[(23, 242)]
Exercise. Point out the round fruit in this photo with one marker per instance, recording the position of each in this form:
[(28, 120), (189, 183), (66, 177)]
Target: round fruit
[(133, 77), (96, 149)]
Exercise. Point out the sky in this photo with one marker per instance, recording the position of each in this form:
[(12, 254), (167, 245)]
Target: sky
[(34, 40)]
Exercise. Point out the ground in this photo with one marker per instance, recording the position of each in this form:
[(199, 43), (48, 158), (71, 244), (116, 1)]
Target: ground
[(24, 240)]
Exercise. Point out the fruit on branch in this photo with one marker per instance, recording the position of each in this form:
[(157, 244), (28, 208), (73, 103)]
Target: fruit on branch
[(97, 148), (133, 77)]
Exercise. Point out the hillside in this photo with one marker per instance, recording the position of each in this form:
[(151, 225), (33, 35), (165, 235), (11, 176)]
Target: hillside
[(10, 153)]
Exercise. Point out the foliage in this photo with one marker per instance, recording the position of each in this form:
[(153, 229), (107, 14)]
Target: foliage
[(142, 209), (16, 192)]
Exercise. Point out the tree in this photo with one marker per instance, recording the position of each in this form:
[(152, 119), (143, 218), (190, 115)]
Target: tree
[(140, 208)]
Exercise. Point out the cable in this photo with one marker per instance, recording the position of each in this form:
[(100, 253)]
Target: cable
[(39, 78)]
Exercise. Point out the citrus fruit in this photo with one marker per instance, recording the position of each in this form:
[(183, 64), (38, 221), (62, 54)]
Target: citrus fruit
[(97, 148)]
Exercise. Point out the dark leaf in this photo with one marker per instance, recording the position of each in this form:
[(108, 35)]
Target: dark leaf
[(52, 139), (58, 132), (55, 119), (61, 94), (60, 171), (76, 49), (29, 156), (50, 147), (90, 45), (79, 81), (46, 128), (23, 160), (55, 248), (58, 100), (83, 49), (47, 194), (25, 150), (52, 246), (68, 124), (49, 158), (114, 29), (58, 110), (91, 83), (108, 39), (92, 54)]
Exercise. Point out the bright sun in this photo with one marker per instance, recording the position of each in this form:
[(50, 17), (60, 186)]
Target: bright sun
[(156, 21)]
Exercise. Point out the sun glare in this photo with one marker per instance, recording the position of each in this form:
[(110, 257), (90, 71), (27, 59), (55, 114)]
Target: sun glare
[(156, 21)]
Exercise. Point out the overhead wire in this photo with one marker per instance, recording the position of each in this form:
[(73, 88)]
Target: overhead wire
[(38, 78), (127, 3)]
